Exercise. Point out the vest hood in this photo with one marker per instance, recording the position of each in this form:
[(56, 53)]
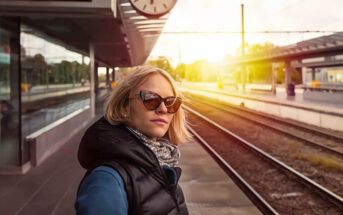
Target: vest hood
[(104, 142)]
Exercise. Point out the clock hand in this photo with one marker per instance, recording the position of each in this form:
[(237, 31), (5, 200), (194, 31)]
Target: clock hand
[(151, 1)]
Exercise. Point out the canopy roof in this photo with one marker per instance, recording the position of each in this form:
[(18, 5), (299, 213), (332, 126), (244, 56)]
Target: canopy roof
[(320, 46), (121, 37)]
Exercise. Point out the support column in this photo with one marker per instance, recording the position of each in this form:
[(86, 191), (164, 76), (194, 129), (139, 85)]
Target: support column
[(299, 71), (12, 142), (92, 78), (313, 71), (113, 75), (275, 67), (288, 79), (96, 78), (107, 77)]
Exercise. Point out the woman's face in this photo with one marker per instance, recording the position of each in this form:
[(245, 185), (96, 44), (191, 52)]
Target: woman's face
[(152, 123)]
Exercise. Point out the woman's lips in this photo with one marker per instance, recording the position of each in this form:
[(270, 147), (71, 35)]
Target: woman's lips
[(159, 121)]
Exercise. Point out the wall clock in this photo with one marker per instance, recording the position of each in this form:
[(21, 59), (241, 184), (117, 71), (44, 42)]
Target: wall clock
[(153, 8)]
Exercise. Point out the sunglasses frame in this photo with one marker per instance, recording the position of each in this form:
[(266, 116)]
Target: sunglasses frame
[(142, 94)]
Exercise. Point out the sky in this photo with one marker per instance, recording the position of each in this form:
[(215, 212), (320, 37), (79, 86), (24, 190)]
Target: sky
[(225, 15)]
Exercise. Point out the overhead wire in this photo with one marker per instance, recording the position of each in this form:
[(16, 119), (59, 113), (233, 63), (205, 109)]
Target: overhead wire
[(251, 32)]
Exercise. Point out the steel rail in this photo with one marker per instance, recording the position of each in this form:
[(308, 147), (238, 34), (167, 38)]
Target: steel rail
[(253, 195), (325, 193), (328, 134), (307, 141)]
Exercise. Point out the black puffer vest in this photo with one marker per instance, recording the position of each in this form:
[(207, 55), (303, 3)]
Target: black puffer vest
[(148, 189)]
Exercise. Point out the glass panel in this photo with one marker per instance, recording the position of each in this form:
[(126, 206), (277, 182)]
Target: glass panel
[(55, 80), (335, 75), (9, 97)]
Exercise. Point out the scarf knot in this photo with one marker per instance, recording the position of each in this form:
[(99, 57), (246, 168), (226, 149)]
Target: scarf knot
[(167, 153)]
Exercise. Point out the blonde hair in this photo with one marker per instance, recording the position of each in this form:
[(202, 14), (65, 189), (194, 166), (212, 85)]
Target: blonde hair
[(115, 105)]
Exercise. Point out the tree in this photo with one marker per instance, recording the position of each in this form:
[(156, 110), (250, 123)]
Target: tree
[(194, 71), (161, 62), (180, 71), (34, 70), (259, 48), (258, 72)]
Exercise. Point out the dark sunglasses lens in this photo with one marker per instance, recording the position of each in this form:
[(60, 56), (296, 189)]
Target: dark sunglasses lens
[(151, 101), (170, 101), (173, 104)]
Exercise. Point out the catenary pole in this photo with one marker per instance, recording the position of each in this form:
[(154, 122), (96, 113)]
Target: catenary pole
[(243, 51)]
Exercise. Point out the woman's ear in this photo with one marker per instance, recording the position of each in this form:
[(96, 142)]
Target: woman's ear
[(126, 111)]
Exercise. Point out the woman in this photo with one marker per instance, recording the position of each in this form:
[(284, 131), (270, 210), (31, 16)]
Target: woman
[(131, 153)]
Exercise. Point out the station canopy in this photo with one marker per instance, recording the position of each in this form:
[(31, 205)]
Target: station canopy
[(120, 36), (317, 47)]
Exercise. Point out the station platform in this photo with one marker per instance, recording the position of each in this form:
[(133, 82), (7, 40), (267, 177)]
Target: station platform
[(207, 188), (50, 188), (321, 114)]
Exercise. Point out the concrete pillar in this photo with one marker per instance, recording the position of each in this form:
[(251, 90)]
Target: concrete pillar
[(299, 71), (96, 78), (313, 71), (275, 67), (107, 77), (288, 78), (113, 75), (92, 77)]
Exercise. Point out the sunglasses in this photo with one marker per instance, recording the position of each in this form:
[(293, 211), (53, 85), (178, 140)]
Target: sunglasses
[(152, 101)]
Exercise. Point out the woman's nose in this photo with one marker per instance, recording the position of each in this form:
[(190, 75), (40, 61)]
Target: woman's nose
[(162, 108)]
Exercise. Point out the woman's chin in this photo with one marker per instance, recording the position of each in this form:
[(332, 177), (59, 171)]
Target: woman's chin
[(157, 133)]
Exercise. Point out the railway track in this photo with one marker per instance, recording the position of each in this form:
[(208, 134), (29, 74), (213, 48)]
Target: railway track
[(322, 139), (322, 166), (269, 167)]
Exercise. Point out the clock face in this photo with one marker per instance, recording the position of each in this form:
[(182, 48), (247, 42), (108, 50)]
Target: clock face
[(153, 8)]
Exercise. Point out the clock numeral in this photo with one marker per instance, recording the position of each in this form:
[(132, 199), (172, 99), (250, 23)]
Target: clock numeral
[(136, 0), (154, 9), (144, 7), (164, 5)]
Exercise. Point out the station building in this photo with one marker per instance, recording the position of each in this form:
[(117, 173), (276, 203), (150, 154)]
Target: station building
[(50, 52), (327, 71)]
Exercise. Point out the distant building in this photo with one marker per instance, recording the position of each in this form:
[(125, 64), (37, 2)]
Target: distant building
[(326, 70)]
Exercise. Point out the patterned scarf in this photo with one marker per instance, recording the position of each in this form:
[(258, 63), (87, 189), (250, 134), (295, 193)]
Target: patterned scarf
[(167, 153)]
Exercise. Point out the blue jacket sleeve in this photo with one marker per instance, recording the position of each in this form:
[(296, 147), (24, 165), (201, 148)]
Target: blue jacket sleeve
[(102, 192)]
